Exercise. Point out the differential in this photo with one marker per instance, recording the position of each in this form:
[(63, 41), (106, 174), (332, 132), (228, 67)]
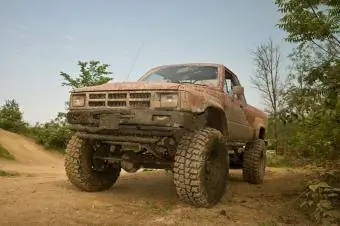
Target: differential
[(128, 164)]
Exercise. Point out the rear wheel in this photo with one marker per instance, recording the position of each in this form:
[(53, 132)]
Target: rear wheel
[(201, 167), (254, 162), (85, 170)]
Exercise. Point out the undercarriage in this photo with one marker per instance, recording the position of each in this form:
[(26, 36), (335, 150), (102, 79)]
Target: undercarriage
[(133, 156), (147, 140)]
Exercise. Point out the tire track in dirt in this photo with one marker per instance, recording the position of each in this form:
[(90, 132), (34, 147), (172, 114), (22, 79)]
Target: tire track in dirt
[(42, 195)]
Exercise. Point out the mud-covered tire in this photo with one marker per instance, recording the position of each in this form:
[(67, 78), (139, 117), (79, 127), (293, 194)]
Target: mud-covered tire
[(79, 170), (193, 155), (254, 162)]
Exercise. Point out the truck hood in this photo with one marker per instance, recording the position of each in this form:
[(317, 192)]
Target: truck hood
[(141, 86)]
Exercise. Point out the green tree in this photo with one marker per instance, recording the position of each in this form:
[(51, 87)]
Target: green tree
[(56, 132), (312, 21), (91, 73), (11, 116), (313, 97), (52, 134), (315, 26)]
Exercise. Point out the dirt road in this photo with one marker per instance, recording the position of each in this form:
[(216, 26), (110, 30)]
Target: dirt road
[(41, 195)]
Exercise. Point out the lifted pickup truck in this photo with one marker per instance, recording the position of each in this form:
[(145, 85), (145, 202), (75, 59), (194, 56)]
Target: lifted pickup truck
[(192, 119)]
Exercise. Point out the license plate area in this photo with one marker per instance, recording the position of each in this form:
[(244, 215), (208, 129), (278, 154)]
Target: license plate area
[(108, 121)]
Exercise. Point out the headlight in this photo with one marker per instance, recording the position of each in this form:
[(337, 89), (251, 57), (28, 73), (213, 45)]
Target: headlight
[(78, 100), (169, 100)]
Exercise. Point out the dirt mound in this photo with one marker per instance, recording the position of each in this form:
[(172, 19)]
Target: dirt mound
[(30, 158), (26, 151)]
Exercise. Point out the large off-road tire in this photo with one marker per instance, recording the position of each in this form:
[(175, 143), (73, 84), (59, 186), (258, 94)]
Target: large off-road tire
[(201, 167), (254, 162), (80, 171)]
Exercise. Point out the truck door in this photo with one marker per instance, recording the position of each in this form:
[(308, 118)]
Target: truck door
[(238, 126)]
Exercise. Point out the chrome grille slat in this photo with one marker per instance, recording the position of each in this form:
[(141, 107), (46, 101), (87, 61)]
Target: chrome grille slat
[(140, 95), (97, 96), (116, 103), (97, 103), (140, 104), (117, 96)]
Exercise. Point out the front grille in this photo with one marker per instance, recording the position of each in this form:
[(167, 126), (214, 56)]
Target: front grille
[(133, 99)]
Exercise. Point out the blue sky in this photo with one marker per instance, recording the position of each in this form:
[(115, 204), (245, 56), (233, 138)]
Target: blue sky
[(38, 39)]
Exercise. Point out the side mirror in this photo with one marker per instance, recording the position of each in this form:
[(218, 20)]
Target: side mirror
[(238, 90)]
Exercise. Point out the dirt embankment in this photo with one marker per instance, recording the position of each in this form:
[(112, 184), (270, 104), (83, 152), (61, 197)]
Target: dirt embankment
[(41, 195)]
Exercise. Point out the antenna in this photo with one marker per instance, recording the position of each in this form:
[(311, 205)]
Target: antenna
[(134, 61)]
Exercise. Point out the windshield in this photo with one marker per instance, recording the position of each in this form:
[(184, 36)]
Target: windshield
[(205, 75)]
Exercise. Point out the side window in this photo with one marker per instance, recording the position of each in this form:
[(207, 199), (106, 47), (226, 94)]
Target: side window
[(230, 82), (228, 85)]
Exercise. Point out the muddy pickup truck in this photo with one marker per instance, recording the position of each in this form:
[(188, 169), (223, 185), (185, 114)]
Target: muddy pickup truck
[(192, 119)]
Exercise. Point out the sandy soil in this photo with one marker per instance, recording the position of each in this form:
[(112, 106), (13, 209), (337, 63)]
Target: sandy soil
[(41, 195)]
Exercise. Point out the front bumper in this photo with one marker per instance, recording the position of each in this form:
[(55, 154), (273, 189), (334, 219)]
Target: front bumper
[(136, 124)]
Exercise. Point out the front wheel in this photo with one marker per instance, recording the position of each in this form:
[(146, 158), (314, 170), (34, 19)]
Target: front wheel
[(84, 171), (201, 167)]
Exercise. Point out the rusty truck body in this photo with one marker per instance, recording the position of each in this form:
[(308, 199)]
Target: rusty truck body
[(190, 118)]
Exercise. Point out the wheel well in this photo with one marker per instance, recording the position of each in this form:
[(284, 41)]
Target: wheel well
[(262, 133), (216, 119)]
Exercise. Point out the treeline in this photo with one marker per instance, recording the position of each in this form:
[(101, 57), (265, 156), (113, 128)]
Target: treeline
[(303, 103), (54, 133)]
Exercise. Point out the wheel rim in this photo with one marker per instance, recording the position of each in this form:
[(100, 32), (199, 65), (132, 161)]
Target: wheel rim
[(262, 164), (213, 167), (98, 164)]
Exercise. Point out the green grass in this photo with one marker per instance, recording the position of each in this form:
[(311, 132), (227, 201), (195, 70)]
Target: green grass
[(5, 154), (287, 161), (8, 174), (274, 160)]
